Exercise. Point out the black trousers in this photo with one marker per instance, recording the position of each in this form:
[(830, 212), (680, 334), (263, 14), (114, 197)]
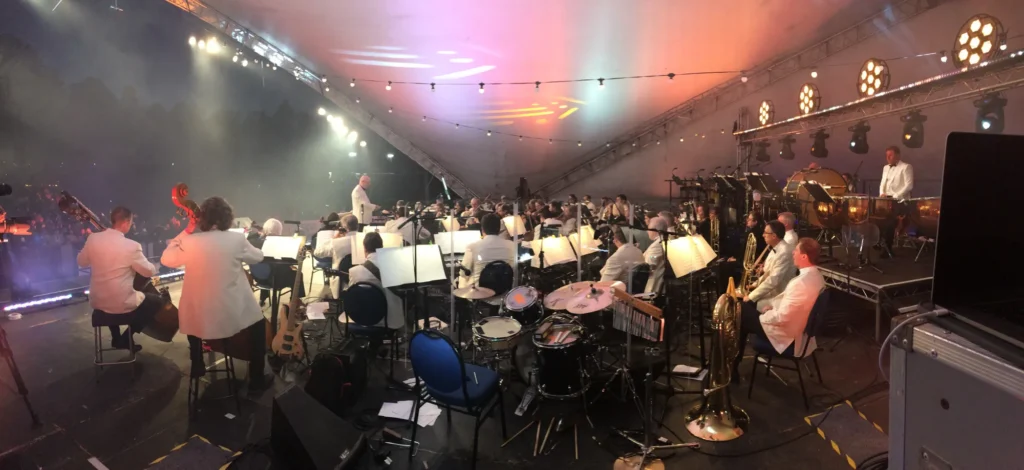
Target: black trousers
[(141, 316), (750, 323), (257, 341), (888, 226)]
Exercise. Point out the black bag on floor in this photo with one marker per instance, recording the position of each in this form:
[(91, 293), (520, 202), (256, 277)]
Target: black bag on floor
[(338, 377)]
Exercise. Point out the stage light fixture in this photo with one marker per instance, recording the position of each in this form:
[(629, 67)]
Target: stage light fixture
[(765, 114), (352, 136), (762, 152), (432, 86), (600, 83), (787, 148), (390, 156), (323, 78), (323, 112), (488, 133), (192, 41), (550, 141), (990, 114), (212, 46), (327, 89), (391, 110), (580, 143), (859, 140), (980, 39), (245, 62), (273, 68), (388, 87), (424, 119), (481, 88), (873, 78), (913, 129), (810, 100), (352, 154), (234, 58), (943, 57), (818, 149), (744, 79), (814, 73), (362, 143), (456, 125)]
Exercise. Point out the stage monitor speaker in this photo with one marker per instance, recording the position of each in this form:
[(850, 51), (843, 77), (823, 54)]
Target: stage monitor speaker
[(305, 434)]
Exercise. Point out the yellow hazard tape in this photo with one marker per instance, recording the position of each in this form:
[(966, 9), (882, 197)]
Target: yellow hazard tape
[(183, 444), (850, 461), (835, 447)]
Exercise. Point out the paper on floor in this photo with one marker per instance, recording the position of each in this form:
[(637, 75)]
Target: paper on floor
[(403, 410), (315, 310)]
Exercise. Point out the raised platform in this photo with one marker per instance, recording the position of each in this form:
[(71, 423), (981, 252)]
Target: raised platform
[(900, 279)]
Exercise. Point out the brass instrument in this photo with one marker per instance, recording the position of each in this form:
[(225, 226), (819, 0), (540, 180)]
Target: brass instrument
[(750, 264), (716, 419), (715, 241)]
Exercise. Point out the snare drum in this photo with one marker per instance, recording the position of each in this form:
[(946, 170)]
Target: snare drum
[(497, 333), (561, 347), (523, 303)]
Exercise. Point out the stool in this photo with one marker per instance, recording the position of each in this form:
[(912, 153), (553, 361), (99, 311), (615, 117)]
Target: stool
[(101, 320), (229, 369)]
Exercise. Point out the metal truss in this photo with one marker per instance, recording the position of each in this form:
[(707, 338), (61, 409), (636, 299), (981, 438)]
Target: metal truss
[(875, 293), (278, 58), (994, 76), (704, 104)]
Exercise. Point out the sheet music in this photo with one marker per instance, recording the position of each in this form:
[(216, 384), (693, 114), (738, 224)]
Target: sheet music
[(447, 224), (589, 244), (283, 247), (372, 228), (396, 265), (514, 225), (391, 240), (689, 254), (557, 250), (462, 239)]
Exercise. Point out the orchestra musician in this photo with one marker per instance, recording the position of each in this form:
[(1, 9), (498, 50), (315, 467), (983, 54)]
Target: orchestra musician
[(328, 227), (568, 219), (778, 266), (897, 182), (369, 272), (590, 204), (216, 300), (490, 248), (626, 257), (361, 205), (789, 221), (671, 218), (503, 210), (114, 260), (402, 213), (655, 255), (337, 248), (782, 319)]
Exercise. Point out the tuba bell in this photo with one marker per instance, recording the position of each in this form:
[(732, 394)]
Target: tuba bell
[(716, 419)]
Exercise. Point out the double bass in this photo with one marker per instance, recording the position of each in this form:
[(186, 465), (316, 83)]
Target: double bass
[(165, 324), (237, 346)]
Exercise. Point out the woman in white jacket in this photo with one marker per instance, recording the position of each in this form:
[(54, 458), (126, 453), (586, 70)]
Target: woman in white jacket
[(216, 300)]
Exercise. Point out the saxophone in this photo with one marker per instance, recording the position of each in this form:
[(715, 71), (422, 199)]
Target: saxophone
[(716, 419)]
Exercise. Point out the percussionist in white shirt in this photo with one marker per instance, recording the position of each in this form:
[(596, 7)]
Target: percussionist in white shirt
[(897, 182), (782, 320), (490, 248), (778, 266), (114, 260), (626, 257)]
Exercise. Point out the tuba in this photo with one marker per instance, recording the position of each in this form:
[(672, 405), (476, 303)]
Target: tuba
[(716, 419)]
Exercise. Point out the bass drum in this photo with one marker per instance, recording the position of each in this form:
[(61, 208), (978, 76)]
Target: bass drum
[(830, 180)]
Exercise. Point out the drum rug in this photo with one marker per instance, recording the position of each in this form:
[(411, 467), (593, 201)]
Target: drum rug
[(849, 433)]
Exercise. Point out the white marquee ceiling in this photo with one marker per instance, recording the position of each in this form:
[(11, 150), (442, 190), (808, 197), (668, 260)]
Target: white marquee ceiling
[(458, 41)]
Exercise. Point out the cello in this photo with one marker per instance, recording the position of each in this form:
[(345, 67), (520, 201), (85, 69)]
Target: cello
[(238, 345), (165, 324)]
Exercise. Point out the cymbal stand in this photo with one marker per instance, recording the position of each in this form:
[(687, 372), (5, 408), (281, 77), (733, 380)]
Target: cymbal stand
[(8, 354), (623, 372), (646, 454)]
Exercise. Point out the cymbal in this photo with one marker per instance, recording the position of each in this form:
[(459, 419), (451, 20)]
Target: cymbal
[(474, 293), (558, 299), (591, 300)]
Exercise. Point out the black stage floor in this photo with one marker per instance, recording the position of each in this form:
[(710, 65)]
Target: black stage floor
[(900, 269), (126, 425)]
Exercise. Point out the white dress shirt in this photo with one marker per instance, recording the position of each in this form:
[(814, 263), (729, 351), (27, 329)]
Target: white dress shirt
[(323, 238), (778, 270), (590, 205), (785, 322), (407, 232), (569, 226), (897, 181), (478, 254), (216, 299), (336, 249), (625, 258), (655, 256), (361, 205), (114, 260), (791, 238), (396, 314)]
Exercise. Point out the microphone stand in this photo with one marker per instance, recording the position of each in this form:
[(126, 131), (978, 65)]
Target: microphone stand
[(415, 219)]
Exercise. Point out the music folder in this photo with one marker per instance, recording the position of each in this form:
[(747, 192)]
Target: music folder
[(396, 265), (461, 239), (514, 225), (280, 247), (391, 240)]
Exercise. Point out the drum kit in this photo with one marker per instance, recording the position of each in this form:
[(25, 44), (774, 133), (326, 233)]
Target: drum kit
[(549, 339)]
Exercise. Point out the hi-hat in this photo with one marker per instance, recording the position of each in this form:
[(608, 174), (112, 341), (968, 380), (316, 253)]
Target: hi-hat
[(591, 300), (474, 293), (633, 463)]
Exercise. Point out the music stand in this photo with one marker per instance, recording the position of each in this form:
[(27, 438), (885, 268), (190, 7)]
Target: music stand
[(371, 228), (280, 251), (688, 256), (391, 240)]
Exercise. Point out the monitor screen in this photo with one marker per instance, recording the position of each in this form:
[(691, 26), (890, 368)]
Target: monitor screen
[(980, 242)]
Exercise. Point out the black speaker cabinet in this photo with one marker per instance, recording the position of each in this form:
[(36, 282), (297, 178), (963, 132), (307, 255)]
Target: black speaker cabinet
[(304, 434)]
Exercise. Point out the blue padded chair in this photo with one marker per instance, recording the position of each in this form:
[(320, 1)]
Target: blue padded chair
[(366, 306), (467, 388), (763, 347)]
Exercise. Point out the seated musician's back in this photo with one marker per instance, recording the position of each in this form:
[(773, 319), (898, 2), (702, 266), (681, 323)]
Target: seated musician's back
[(490, 248), (369, 272)]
